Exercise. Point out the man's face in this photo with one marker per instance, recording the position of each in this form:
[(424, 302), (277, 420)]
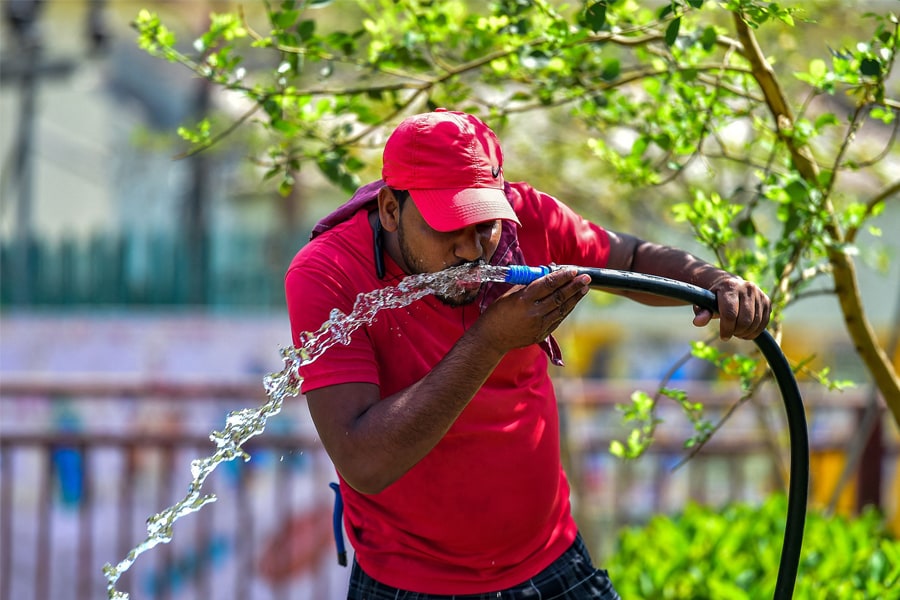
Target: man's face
[(425, 250)]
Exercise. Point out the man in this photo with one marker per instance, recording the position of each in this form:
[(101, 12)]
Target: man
[(440, 417)]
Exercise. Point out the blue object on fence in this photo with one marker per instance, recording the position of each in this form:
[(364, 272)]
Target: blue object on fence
[(337, 522)]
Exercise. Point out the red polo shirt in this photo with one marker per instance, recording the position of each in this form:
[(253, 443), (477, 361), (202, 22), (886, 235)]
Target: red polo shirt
[(488, 507)]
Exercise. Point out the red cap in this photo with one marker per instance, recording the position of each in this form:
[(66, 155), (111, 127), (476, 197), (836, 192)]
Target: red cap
[(452, 166)]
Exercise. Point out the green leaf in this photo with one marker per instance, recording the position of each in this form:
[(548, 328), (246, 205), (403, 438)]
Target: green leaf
[(826, 119), (870, 67), (639, 146), (284, 19), (709, 38), (617, 449), (595, 16), (672, 31), (285, 126), (881, 114), (611, 70), (286, 186), (817, 68), (746, 227), (306, 29), (797, 192)]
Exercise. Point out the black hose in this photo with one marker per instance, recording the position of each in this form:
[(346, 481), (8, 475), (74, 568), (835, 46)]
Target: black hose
[(798, 486)]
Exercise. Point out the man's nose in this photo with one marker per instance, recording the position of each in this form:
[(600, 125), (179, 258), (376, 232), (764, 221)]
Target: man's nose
[(469, 244)]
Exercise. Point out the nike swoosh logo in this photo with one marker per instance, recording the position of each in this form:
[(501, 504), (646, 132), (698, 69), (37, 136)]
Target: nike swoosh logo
[(495, 171)]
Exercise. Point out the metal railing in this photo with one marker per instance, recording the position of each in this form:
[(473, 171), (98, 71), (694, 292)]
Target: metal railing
[(244, 269), (71, 501)]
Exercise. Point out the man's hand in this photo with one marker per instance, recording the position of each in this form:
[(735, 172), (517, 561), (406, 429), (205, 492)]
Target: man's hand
[(743, 309), (527, 315)]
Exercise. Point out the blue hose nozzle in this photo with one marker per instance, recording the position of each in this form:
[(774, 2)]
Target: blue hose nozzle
[(523, 274)]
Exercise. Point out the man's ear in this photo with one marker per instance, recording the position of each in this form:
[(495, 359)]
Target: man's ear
[(388, 209)]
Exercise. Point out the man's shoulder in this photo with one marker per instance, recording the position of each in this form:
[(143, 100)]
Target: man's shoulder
[(530, 203), (521, 190), (342, 251), (345, 239)]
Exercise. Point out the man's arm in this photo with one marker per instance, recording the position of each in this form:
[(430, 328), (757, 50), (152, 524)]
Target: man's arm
[(373, 441), (744, 309)]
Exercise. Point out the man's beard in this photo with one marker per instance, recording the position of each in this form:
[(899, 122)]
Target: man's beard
[(458, 295)]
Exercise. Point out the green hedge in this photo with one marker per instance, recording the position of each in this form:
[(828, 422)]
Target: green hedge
[(733, 553)]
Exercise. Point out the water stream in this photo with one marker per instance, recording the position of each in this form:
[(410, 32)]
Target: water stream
[(243, 424)]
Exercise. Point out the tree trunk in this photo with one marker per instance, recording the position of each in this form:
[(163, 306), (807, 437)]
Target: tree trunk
[(843, 267)]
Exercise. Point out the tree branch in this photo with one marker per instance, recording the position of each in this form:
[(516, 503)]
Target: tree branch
[(890, 192), (846, 284)]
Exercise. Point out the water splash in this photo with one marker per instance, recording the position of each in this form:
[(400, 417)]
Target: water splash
[(243, 424)]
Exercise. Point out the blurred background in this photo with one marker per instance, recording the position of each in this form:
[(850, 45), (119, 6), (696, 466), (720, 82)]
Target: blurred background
[(141, 300)]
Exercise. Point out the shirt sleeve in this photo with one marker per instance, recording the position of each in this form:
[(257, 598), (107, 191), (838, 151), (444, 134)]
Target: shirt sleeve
[(312, 292)]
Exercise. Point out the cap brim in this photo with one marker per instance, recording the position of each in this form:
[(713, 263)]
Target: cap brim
[(449, 210)]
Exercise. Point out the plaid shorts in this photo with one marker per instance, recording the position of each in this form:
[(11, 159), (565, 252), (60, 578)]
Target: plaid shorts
[(571, 577)]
